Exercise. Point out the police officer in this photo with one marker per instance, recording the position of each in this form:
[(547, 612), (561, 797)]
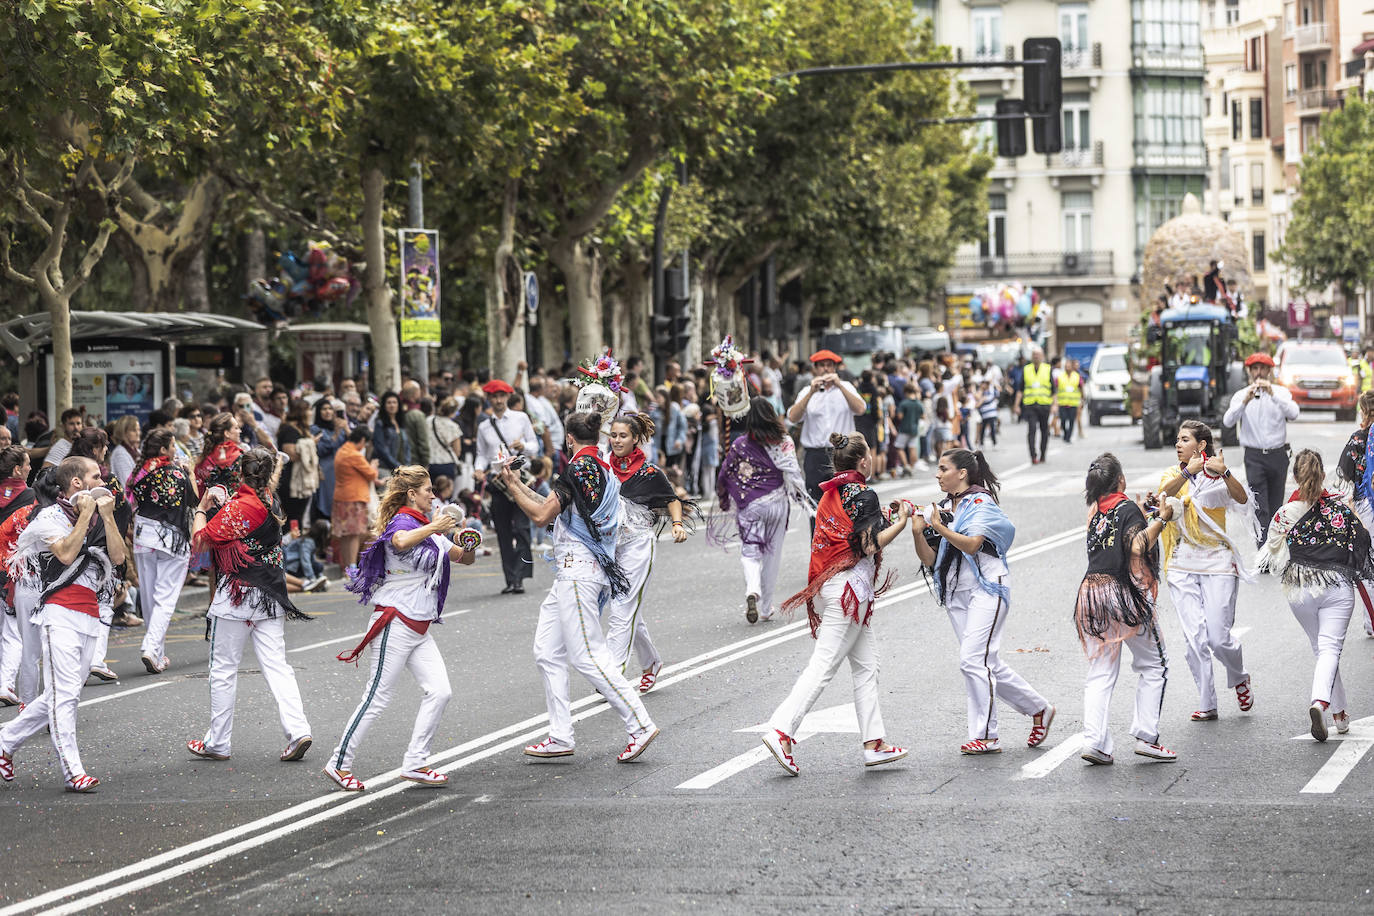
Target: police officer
[(1033, 402), (1069, 396)]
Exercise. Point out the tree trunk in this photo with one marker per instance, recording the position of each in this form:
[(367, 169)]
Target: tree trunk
[(60, 313), (713, 329), (581, 266), (506, 295), (639, 306), (256, 354), (167, 254), (386, 346), (553, 333), (196, 283)]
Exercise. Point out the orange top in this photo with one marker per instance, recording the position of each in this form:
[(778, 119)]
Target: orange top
[(352, 474)]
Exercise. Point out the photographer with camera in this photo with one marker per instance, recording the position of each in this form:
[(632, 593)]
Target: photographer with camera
[(503, 439), (826, 406)]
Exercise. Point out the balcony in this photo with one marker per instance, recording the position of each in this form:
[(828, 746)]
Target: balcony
[(1087, 58), (1316, 101), (1071, 158), (1167, 58), (1168, 156), (1032, 264), (1315, 36), (987, 55)]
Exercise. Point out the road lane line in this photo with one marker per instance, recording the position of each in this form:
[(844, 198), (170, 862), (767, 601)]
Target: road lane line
[(736, 764), (1046, 764), (1338, 766), (124, 693), (293, 815), (327, 642)]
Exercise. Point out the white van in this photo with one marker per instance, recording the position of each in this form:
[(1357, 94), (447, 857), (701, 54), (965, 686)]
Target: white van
[(1109, 382)]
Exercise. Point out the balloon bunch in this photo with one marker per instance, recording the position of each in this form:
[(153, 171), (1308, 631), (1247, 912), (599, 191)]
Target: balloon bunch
[(306, 287), (1010, 304)]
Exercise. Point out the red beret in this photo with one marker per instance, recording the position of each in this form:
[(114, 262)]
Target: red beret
[(831, 355), (497, 386), (1259, 359)]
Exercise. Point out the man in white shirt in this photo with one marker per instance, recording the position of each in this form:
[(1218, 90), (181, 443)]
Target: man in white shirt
[(1263, 410), (504, 434), (541, 408), (72, 422), (827, 405)]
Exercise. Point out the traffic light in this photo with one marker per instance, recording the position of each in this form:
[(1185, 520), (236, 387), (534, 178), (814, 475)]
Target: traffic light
[(679, 306), (662, 330), (1044, 91), (1011, 133)]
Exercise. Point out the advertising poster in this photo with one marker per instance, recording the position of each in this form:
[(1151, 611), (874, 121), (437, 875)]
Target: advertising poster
[(114, 383), (419, 287)]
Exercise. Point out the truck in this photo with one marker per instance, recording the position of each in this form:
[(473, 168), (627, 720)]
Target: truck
[(856, 345), (1199, 369)]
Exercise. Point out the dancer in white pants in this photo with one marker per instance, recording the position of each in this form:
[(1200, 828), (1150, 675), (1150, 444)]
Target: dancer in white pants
[(17, 502), (1321, 549), (584, 507), (846, 556), (1355, 477), (1115, 607), (19, 670), (162, 491), (74, 556), (758, 482), (968, 553), (647, 496), (1204, 564), (404, 574), (249, 603)]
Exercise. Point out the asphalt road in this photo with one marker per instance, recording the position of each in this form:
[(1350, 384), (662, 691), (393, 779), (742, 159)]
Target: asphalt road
[(1248, 820)]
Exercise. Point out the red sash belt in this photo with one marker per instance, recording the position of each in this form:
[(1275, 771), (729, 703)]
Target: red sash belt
[(387, 615), (77, 598)]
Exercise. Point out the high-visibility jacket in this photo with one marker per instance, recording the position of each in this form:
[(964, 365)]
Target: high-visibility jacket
[(1070, 389), (1365, 371), (1035, 387)]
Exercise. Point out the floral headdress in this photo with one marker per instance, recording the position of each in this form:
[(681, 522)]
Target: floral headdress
[(729, 387), (603, 370)]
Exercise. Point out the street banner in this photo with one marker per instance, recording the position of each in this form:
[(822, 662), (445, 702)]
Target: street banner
[(113, 383), (419, 287)]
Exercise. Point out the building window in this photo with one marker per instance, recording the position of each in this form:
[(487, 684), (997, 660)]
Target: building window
[(1159, 198), (1078, 220), (1238, 182), (1076, 134), (1254, 54), (1311, 136), (1167, 24), (1232, 12), (923, 11), (1168, 110), (1290, 80), (995, 245), (1236, 126), (1289, 17), (1257, 183), (1313, 74), (1292, 149), (1073, 32), (1257, 119), (987, 32), (985, 132), (1257, 252), (1225, 170)]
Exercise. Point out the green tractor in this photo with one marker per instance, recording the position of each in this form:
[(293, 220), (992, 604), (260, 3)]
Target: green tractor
[(1199, 369)]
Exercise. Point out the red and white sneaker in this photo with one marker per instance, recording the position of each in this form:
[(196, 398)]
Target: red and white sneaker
[(344, 779), (1204, 715), (982, 746), (876, 757), (1245, 697), (650, 678), (7, 767), (1041, 729), (297, 748), (1154, 751), (9, 698), (549, 747), (155, 665), (197, 747), (1342, 721), (425, 776), (782, 753), (638, 742), (83, 783)]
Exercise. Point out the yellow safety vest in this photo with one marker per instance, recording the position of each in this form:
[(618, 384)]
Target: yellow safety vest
[(1035, 388), (1070, 390), (1366, 375)]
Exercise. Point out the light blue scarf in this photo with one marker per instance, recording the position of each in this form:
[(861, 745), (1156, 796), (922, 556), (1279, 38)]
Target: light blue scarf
[(977, 515)]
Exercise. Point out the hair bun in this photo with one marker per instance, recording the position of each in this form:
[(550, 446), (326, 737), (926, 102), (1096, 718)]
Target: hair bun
[(838, 440)]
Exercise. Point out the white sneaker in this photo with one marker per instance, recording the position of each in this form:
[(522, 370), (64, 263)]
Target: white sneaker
[(1096, 757), (638, 742), (155, 665), (8, 697), (317, 584), (1317, 713), (425, 776), (1154, 751), (1342, 723), (876, 758), (549, 748), (773, 742), (104, 673)]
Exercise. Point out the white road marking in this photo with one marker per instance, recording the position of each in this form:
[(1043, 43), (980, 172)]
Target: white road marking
[(124, 693), (336, 804), (328, 642), (1334, 771), (1047, 762), (832, 719)]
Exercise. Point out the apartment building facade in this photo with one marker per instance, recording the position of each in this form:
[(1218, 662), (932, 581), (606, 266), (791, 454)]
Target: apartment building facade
[(1074, 224)]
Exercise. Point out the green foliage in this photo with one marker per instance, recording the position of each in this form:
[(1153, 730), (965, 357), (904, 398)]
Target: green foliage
[(1330, 238)]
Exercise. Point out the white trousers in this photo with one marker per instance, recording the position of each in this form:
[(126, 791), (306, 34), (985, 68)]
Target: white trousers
[(19, 667), (11, 645), (625, 616), (569, 633), (978, 620), (1365, 600), (837, 638), (764, 518), (395, 650), (161, 576), (67, 660), (1325, 618), (227, 641), (1151, 666), (1206, 606)]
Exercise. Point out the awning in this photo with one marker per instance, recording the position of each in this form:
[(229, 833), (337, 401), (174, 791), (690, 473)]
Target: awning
[(1363, 47), (21, 336)]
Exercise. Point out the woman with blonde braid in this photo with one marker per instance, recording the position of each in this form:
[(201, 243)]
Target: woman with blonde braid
[(404, 574), (249, 603), (648, 497), (1320, 549)]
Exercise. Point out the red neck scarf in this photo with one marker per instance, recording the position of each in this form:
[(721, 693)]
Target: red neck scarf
[(223, 455), (1109, 502), (593, 452), (830, 550), (414, 513), (627, 467)]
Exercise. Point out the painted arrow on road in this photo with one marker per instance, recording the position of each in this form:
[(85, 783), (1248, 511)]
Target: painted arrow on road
[(841, 719), (1354, 745)]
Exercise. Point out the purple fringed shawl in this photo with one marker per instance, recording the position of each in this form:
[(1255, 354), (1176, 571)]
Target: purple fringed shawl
[(746, 474), (423, 556)]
